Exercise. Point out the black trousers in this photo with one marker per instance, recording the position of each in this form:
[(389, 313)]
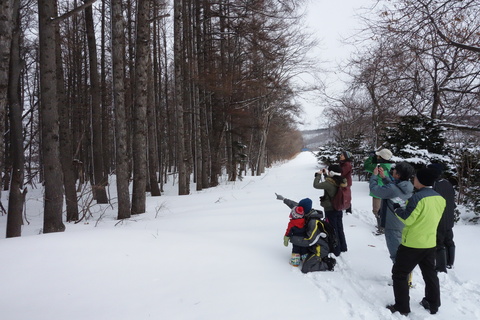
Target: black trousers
[(335, 218), (406, 260)]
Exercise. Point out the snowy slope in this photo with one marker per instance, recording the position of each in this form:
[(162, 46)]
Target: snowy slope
[(215, 254)]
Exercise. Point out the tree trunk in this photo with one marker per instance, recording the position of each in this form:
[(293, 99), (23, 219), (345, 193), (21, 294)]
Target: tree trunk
[(183, 187), (6, 27), (66, 149), (17, 192), (152, 133), (121, 166), (140, 111), (99, 178), (53, 197)]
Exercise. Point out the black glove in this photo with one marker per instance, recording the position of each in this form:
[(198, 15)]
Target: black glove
[(396, 206), (279, 197)]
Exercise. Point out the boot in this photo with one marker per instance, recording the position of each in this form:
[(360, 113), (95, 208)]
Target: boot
[(450, 256), (441, 260), (380, 229), (295, 259)]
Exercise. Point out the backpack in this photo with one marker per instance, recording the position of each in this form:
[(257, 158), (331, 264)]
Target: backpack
[(342, 199), (330, 231)]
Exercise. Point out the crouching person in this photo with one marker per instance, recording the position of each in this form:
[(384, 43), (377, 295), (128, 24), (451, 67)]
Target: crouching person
[(317, 240)]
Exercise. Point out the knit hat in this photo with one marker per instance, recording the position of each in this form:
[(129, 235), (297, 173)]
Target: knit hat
[(296, 213), (334, 170), (306, 204), (427, 176), (438, 167), (347, 154), (385, 154)]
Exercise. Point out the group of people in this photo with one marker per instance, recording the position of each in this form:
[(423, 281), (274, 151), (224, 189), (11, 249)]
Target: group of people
[(307, 230), (416, 218), (417, 225)]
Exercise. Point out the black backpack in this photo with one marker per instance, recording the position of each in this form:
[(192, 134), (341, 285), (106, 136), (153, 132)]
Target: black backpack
[(326, 227)]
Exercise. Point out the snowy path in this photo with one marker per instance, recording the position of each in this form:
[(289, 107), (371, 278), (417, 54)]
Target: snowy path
[(216, 254)]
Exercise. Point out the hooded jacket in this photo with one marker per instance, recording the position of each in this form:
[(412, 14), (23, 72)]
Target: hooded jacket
[(370, 164), (421, 217), (330, 187), (390, 192)]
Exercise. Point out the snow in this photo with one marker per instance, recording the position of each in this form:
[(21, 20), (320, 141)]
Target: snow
[(215, 254)]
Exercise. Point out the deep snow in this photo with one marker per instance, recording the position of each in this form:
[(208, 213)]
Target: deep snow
[(215, 254)]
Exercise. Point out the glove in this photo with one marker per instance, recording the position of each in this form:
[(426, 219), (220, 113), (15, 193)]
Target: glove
[(396, 206), (286, 240), (279, 197)]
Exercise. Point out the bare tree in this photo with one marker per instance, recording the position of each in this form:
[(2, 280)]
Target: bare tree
[(17, 191), (142, 42), (53, 198), (6, 27), (121, 158), (100, 179), (178, 9)]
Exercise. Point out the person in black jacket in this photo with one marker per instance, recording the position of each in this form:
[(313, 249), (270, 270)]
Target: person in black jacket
[(445, 244)]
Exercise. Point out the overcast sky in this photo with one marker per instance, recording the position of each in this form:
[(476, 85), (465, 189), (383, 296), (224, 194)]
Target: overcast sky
[(332, 21)]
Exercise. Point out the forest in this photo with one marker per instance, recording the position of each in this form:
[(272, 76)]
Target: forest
[(155, 91)]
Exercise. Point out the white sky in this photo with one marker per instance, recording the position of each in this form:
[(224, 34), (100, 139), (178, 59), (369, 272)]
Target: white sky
[(331, 21)]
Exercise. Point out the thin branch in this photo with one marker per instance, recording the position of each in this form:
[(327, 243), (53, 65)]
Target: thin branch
[(72, 12)]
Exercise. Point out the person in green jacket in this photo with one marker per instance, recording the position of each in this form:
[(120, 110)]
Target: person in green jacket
[(333, 180), (381, 159), (421, 216)]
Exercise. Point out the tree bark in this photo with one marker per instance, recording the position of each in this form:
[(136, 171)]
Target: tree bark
[(100, 179), (17, 192), (140, 111), (53, 198), (121, 158), (6, 27), (183, 187), (66, 149)]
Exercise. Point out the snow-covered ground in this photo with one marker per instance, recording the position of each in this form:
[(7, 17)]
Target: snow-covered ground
[(215, 254)]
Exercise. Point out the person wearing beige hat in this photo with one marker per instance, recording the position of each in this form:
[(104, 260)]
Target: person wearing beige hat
[(380, 158)]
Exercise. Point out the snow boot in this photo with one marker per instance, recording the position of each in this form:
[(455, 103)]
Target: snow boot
[(424, 303), (450, 256), (295, 259), (441, 260), (392, 309)]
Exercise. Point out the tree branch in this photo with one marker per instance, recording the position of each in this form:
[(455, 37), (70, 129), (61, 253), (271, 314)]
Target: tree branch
[(451, 42), (72, 12)]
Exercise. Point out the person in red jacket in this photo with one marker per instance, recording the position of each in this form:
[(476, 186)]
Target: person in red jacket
[(296, 227), (345, 160)]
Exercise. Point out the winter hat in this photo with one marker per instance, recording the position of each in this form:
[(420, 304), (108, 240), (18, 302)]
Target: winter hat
[(334, 170), (427, 176), (404, 170), (306, 204), (347, 154), (438, 167), (296, 213), (385, 154)]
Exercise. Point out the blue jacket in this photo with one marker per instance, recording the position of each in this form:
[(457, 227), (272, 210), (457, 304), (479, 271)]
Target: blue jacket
[(390, 192), (421, 217)]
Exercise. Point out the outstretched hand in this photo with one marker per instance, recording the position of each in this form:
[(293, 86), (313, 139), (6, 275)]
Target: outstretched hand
[(279, 197)]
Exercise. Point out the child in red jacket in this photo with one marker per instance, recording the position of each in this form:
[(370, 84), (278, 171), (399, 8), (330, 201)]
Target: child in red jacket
[(296, 227)]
